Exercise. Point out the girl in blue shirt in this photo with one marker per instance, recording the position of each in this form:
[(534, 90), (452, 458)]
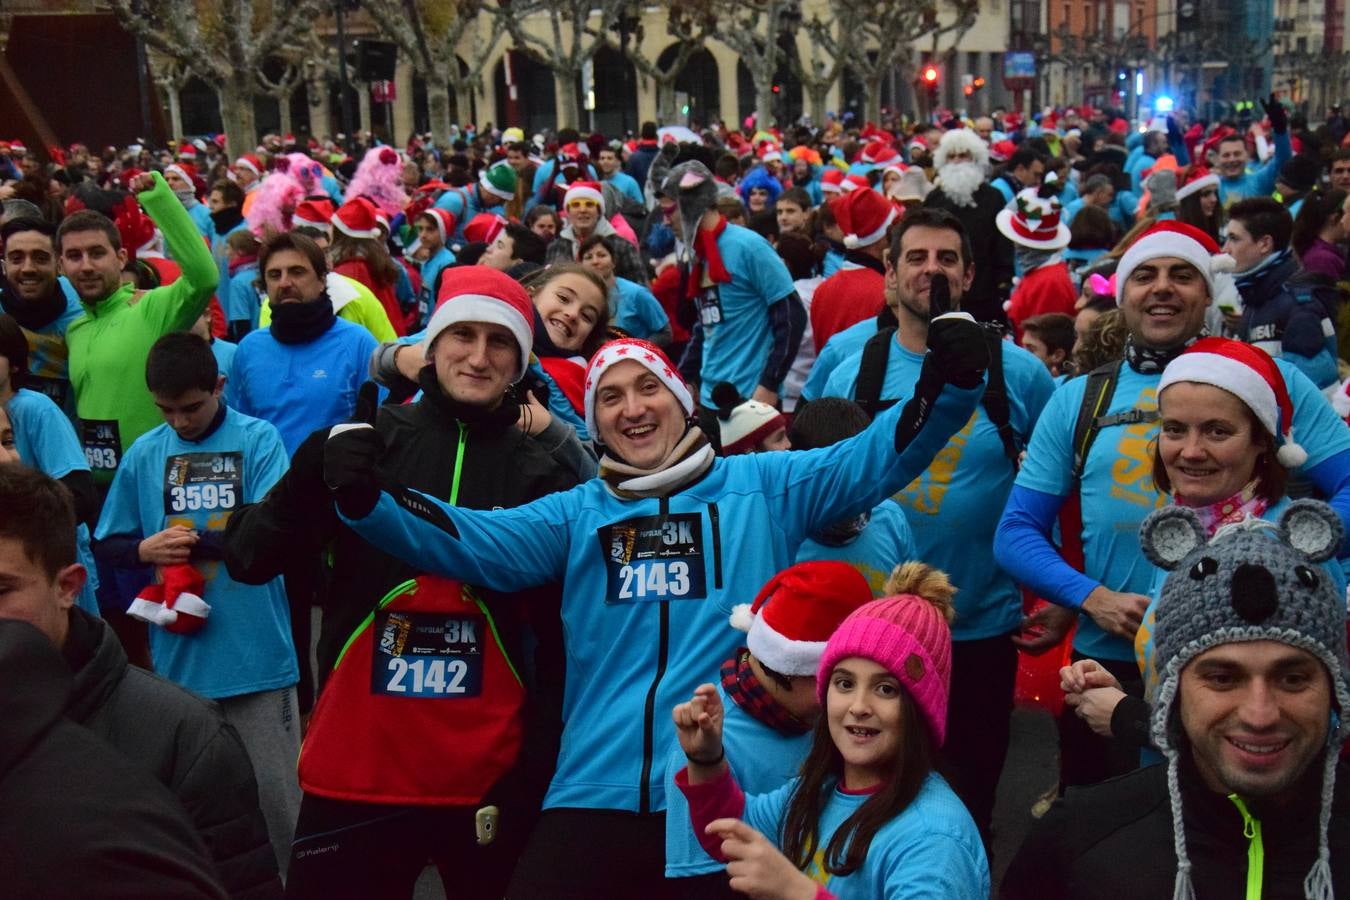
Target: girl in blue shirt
[(633, 309), (868, 816)]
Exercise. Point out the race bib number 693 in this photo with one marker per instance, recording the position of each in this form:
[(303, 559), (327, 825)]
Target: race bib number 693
[(654, 558)]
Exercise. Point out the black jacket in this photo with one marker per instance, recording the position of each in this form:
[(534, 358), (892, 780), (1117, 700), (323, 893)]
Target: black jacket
[(184, 742), (992, 252), (77, 818), (1114, 839)]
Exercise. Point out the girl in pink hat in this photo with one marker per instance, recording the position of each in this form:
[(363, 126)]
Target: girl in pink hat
[(868, 816)]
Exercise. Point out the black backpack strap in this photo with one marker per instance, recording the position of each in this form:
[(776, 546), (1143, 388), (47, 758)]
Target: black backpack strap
[(995, 398), (1101, 387), (872, 372)]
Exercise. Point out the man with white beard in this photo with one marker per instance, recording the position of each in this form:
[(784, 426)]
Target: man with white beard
[(962, 164)]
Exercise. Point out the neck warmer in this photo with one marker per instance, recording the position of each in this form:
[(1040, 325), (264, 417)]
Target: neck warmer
[(434, 398), (1243, 505), (705, 248), (187, 196), (1148, 361), (300, 323), (1029, 258), (1251, 276), (846, 531), (225, 219), (745, 690), (686, 463), (33, 314)]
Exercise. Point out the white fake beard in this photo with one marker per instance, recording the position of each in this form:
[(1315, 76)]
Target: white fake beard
[(960, 181)]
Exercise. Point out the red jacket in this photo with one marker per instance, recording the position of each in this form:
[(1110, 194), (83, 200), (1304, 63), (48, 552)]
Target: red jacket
[(1044, 290), (845, 298), (359, 270)]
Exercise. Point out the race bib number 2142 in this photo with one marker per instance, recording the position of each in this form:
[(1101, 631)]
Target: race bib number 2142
[(654, 558)]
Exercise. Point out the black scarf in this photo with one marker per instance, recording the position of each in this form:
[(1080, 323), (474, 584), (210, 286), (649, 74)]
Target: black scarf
[(867, 261), (225, 219), (504, 416), (33, 314), (1148, 361), (543, 344), (300, 323)]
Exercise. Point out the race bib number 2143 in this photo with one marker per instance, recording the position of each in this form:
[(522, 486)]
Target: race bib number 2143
[(654, 558)]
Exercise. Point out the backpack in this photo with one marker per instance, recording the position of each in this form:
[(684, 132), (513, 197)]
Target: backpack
[(872, 377)]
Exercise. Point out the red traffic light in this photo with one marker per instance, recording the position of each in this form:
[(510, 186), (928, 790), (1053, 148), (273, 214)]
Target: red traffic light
[(930, 74)]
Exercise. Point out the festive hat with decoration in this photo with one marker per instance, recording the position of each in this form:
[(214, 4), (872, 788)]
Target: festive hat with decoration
[(313, 214), (1179, 240), (1248, 373), (1035, 222), (584, 190), (647, 355), (864, 215), (791, 619), (499, 180), (356, 218), (483, 294), (743, 423)]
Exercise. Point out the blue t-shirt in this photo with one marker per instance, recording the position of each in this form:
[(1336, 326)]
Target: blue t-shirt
[(464, 204), (426, 298), (885, 543), (635, 310), (735, 316), (931, 849), (245, 646), (840, 346), (243, 300), (627, 186), (964, 489), (200, 214), (1117, 491), (301, 387), (224, 352), (45, 440), (762, 759)]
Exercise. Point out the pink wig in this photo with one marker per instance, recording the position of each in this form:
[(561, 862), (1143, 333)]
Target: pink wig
[(308, 172), (275, 202), (379, 179)]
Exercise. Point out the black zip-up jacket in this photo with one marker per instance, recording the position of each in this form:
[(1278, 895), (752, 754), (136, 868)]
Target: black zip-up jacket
[(185, 743), (1114, 839)]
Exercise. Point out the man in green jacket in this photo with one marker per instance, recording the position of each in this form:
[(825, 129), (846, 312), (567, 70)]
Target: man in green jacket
[(109, 342)]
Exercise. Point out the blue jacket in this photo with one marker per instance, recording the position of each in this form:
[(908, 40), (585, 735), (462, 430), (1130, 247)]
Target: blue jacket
[(648, 584), (1289, 314)]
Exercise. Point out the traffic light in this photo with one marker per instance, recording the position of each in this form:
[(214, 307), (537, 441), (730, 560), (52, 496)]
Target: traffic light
[(930, 76)]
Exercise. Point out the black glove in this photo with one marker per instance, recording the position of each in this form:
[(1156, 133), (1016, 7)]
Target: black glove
[(304, 482), (1275, 111), (350, 456), (958, 349)]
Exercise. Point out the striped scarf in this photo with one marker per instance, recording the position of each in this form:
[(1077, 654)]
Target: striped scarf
[(741, 685)]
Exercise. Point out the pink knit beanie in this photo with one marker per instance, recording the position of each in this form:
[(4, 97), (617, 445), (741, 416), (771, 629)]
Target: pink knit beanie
[(909, 637)]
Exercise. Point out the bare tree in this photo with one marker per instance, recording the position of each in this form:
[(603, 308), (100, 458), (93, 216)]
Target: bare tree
[(283, 86), (430, 33), (755, 29), (820, 59), (225, 43), (574, 30), (171, 76), (690, 23)]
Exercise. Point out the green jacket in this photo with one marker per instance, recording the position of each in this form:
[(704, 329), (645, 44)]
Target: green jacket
[(110, 341)]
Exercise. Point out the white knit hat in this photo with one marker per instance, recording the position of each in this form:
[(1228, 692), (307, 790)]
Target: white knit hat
[(1176, 239)]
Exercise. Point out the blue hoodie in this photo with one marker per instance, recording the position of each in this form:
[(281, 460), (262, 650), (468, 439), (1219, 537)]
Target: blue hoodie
[(648, 583)]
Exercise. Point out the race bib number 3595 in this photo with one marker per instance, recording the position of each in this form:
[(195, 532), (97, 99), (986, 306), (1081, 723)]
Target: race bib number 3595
[(203, 482), (654, 558), (427, 655)]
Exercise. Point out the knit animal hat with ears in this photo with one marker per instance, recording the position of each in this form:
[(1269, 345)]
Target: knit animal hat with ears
[(1182, 241), (1248, 373), (743, 423), (1255, 581), (791, 619)]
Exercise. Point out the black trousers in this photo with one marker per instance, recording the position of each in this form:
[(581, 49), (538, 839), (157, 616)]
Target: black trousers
[(377, 852), (979, 722), (1086, 757), (586, 854)]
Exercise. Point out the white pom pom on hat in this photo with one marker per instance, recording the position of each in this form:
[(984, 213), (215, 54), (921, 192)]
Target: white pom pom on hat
[(791, 619)]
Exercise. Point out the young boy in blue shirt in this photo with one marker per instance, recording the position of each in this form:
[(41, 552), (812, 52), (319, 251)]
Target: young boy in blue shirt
[(168, 506)]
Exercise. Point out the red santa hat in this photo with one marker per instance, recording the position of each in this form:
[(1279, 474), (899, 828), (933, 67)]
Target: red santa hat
[(356, 218), (1248, 373), (313, 214), (880, 154), (187, 152), (1176, 239), (176, 603), (832, 180), (17, 147), (649, 356), (484, 228), (852, 182), (584, 190), (791, 619), (483, 294), (443, 219), (182, 170), (1198, 179), (251, 162), (864, 215)]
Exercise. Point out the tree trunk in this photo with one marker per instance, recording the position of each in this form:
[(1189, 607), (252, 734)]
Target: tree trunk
[(872, 102), (236, 116), (565, 99), (284, 108), (438, 108), (363, 104), (175, 111), (763, 96), (665, 100), (320, 110), (818, 92)]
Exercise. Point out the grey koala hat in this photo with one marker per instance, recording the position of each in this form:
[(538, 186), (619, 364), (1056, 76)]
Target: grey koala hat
[(1255, 581)]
